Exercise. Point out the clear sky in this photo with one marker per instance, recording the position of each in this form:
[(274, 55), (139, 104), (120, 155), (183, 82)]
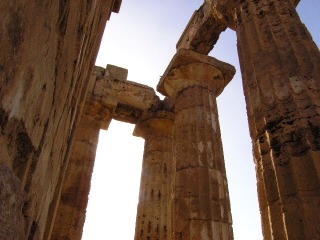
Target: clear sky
[(142, 39)]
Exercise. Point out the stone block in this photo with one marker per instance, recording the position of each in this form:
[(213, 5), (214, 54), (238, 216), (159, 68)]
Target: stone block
[(115, 72)]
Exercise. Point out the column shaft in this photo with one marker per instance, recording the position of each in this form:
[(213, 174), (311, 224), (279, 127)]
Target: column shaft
[(201, 199), (153, 212), (71, 210), (280, 66), (201, 206)]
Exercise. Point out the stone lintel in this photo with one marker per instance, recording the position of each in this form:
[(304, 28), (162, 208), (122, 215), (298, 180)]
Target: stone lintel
[(131, 98), (127, 93), (189, 68), (202, 31), (156, 122)]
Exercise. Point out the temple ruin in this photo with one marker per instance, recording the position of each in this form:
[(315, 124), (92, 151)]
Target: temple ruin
[(53, 103)]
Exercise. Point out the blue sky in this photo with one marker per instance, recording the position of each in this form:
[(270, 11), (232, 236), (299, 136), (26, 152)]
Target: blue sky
[(142, 39)]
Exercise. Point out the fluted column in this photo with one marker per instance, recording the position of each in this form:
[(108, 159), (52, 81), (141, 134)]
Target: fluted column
[(201, 206), (71, 212), (280, 66), (153, 212)]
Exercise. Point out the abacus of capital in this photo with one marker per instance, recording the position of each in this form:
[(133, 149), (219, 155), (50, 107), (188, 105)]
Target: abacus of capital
[(53, 102)]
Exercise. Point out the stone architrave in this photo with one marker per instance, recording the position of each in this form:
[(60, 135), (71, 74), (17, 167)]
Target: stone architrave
[(280, 67), (202, 32), (201, 206), (154, 212), (71, 212)]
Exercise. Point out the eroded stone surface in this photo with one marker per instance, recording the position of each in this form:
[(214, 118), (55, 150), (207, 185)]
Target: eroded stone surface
[(100, 107), (115, 72), (202, 31), (201, 206), (44, 71), (224, 10), (280, 66), (132, 98), (47, 53), (154, 208), (71, 213), (187, 65)]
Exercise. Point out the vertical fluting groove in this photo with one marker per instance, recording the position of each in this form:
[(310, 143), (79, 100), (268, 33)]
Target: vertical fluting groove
[(173, 184), (285, 131), (206, 109), (209, 135), (163, 191), (252, 99), (152, 220), (157, 187), (197, 138), (202, 128), (166, 193)]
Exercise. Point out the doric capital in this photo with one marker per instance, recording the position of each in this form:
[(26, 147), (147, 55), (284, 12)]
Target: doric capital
[(189, 68), (158, 122)]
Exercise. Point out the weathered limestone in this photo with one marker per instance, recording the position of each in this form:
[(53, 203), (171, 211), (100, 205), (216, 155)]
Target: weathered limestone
[(280, 66), (154, 212), (99, 109), (70, 216), (132, 98), (48, 49), (201, 207), (44, 71), (223, 11), (202, 31)]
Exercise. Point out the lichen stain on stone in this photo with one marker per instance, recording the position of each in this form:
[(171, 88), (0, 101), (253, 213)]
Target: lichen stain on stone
[(3, 119), (204, 233), (200, 146), (12, 198), (15, 27), (213, 122), (64, 9), (24, 148), (21, 145)]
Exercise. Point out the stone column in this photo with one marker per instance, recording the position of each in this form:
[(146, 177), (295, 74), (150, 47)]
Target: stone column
[(44, 69), (201, 207), (71, 210), (153, 212), (280, 66)]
